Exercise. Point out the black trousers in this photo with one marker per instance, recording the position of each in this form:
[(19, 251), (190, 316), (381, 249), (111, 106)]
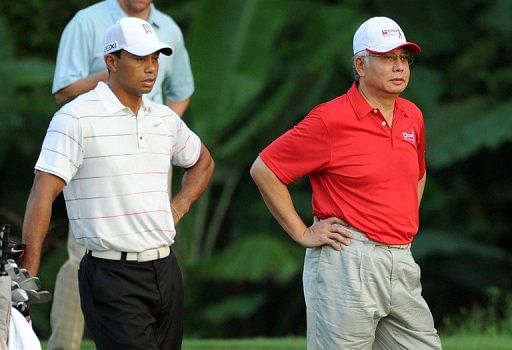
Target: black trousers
[(131, 305)]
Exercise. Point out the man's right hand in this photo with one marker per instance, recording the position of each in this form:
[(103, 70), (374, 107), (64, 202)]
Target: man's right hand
[(329, 232)]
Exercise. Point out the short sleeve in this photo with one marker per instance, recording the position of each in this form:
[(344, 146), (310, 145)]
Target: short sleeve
[(62, 152), (179, 81), (300, 151), (186, 147), (74, 53)]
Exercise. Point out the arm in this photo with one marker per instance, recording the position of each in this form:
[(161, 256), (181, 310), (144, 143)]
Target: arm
[(179, 82), (38, 213), (178, 106), (278, 200), (79, 87), (79, 66), (421, 187), (194, 183)]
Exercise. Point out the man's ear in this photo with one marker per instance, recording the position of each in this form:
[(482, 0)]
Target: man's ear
[(111, 62), (360, 65)]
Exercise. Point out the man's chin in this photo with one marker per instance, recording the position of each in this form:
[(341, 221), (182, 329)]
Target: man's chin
[(397, 89), (146, 90)]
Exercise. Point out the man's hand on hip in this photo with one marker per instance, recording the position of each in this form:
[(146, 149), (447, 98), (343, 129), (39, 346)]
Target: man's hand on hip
[(329, 231)]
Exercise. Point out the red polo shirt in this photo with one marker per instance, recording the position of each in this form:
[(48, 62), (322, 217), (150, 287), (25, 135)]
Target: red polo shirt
[(361, 170)]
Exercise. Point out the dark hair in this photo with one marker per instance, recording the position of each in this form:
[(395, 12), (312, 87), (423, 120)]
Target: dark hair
[(117, 53)]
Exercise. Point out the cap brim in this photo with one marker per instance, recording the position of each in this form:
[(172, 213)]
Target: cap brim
[(148, 49), (413, 48)]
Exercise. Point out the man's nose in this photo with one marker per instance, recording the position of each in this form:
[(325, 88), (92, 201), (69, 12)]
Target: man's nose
[(151, 65)]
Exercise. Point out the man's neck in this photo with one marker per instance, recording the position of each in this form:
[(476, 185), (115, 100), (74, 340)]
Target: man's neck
[(131, 101), (375, 100), (385, 103), (143, 14)]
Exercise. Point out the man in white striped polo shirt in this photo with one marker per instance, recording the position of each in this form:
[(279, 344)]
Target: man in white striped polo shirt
[(79, 68), (110, 151)]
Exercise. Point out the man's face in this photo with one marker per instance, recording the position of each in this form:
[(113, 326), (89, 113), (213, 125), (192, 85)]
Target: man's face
[(387, 73), (136, 75), (134, 6)]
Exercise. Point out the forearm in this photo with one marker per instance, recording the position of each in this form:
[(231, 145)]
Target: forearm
[(194, 183), (79, 87), (329, 231), (37, 219), (278, 200), (178, 107)]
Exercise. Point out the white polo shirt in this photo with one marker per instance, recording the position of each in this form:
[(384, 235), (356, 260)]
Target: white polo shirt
[(115, 165)]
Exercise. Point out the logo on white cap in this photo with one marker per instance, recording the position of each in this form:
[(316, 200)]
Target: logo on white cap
[(396, 31), (380, 35), (147, 28), (135, 36)]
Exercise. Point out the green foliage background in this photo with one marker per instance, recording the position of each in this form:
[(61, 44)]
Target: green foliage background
[(259, 66)]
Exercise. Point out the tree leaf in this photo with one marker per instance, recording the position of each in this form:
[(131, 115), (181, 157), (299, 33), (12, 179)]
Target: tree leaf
[(458, 130), (439, 242), (231, 48), (27, 72), (234, 307), (255, 258)]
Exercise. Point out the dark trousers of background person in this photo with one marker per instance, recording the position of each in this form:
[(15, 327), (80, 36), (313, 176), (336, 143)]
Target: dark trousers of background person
[(132, 305)]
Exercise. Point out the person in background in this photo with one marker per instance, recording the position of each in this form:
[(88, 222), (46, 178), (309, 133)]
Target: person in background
[(364, 153), (79, 68), (110, 151)]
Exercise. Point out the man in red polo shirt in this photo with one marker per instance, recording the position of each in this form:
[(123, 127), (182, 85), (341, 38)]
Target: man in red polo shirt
[(364, 153)]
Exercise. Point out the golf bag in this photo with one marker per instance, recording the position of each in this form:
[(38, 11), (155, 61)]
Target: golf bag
[(17, 291)]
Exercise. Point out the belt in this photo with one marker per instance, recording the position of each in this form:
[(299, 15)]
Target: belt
[(146, 255), (395, 246), (361, 236)]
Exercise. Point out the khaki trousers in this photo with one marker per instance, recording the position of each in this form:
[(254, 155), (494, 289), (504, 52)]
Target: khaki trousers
[(66, 317), (367, 296)]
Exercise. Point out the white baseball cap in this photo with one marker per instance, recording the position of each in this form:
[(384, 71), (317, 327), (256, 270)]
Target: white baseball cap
[(380, 35), (135, 36)]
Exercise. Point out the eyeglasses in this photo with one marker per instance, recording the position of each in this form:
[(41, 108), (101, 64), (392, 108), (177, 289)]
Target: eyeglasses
[(391, 58)]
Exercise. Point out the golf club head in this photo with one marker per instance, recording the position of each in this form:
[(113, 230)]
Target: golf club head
[(11, 263), (14, 284), (19, 295), (12, 269), (23, 274), (40, 297), (22, 307), (30, 283)]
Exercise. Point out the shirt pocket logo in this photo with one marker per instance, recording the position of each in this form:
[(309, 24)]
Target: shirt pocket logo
[(409, 136)]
